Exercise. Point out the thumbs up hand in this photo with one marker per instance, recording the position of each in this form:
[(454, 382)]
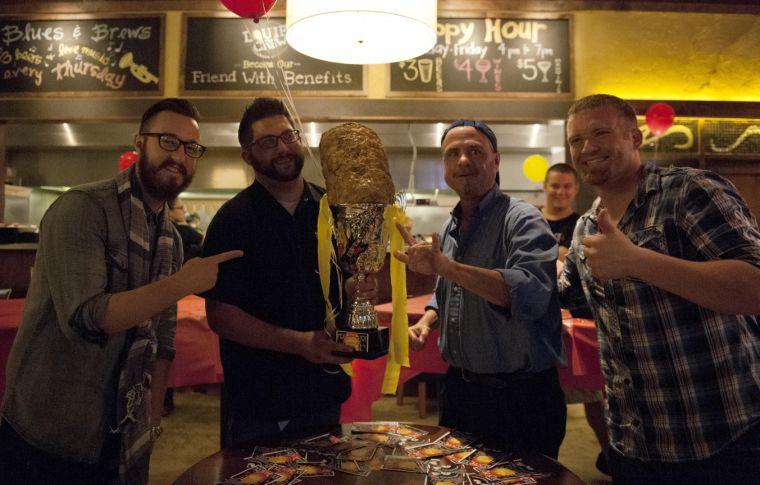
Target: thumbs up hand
[(610, 254)]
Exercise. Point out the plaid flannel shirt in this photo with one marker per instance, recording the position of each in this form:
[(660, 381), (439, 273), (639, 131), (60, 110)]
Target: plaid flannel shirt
[(681, 381)]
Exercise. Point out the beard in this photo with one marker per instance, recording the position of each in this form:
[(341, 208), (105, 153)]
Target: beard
[(154, 185), (275, 173)]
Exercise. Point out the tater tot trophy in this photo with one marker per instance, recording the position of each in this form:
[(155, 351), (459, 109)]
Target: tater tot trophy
[(359, 194)]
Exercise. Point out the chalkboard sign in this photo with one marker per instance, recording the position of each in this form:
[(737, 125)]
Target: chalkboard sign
[(490, 55), (233, 55), (109, 56)]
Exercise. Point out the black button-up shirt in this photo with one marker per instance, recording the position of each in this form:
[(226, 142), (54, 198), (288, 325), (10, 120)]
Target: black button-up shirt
[(278, 282)]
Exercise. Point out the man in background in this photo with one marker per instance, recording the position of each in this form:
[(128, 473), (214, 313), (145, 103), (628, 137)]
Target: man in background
[(496, 301), (191, 248), (280, 368), (191, 237), (667, 259), (88, 368), (561, 187)]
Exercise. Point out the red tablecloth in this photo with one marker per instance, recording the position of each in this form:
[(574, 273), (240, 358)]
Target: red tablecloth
[(579, 336), (583, 369), (368, 374), (197, 359), (10, 317)]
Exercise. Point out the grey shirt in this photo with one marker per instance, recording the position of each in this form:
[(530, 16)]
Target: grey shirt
[(511, 237), (62, 371)]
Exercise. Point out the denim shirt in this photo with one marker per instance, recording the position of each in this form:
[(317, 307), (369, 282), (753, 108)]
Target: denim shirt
[(510, 236)]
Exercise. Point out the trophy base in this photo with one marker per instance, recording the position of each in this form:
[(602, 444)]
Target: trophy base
[(368, 343)]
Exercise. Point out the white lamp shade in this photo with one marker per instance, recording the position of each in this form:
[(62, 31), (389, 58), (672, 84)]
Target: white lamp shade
[(362, 31)]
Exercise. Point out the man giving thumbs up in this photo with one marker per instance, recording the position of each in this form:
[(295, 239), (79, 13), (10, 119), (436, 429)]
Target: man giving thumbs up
[(668, 261)]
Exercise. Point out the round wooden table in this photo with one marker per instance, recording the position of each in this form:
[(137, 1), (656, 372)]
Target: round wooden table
[(222, 465)]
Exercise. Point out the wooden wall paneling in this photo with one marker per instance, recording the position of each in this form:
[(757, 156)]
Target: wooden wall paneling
[(749, 188), (16, 261), (745, 176)]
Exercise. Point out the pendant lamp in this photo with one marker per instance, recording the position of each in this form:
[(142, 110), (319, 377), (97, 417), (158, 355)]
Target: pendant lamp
[(362, 31)]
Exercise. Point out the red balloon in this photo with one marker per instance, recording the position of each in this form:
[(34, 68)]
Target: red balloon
[(253, 9), (660, 118), (127, 159)]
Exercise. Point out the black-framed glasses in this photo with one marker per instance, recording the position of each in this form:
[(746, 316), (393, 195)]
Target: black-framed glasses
[(270, 141), (169, 142)]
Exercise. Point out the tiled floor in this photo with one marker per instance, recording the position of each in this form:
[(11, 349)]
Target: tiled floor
[(191, 433)]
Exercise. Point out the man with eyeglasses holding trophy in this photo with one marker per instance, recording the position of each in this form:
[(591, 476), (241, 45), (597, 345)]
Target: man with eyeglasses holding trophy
[(281, 368), (89, 366)]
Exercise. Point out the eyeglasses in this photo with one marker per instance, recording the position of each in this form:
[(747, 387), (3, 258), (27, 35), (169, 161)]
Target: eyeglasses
[(170, 143), (270, 141)]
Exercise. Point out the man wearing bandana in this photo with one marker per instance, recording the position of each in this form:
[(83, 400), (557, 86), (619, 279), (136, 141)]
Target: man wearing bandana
[(88, 369), (496, 304)]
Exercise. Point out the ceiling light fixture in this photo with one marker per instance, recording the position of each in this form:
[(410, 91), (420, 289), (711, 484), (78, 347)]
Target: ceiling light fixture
[(362, 31)]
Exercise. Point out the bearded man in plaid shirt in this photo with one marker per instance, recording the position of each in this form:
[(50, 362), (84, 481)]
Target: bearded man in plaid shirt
[(667, 260)]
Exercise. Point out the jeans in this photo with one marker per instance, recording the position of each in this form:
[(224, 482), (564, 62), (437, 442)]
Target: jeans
[(241, 429), (522, 413), (737, 463)]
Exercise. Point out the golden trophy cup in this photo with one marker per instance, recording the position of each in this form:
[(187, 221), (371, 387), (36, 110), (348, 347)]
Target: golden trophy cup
[(361, 247), (360, 194)]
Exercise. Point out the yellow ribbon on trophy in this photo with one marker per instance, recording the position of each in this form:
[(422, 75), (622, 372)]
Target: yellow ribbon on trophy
[(398, 352)]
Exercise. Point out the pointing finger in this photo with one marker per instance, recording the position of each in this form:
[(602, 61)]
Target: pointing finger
[(401, 256), (408, 238), (226, 256), (436, 244)]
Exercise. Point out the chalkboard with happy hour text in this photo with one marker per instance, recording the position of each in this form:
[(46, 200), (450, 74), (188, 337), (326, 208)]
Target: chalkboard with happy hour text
[(110, 56), (488, 56), (226, 55)]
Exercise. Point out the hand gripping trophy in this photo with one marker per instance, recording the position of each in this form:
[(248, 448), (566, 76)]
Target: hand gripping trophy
[(360, 197)]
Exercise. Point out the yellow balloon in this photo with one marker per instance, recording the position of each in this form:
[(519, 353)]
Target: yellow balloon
[(535, 167)]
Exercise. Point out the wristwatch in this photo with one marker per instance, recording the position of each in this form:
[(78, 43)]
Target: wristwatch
[(155, 432)]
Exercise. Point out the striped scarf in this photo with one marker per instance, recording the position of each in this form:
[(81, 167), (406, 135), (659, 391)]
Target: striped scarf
[(134, 394)]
